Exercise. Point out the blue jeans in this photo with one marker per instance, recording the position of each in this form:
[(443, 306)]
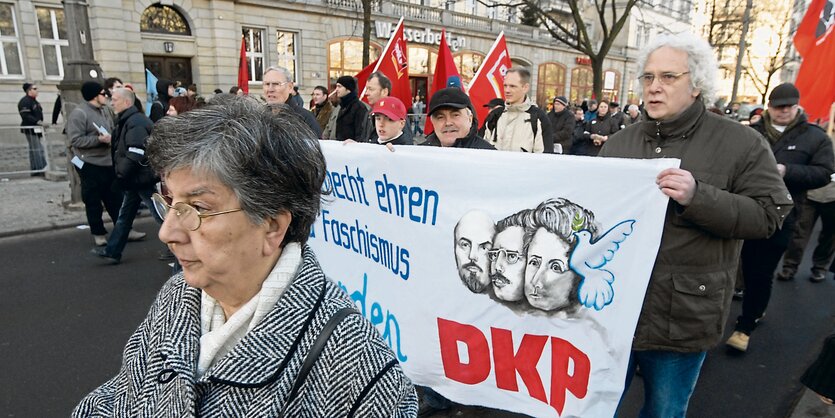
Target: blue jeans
[(669, 380), (130, 206)]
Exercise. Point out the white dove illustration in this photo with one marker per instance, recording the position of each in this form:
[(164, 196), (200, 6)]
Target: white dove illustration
[(589, 257)]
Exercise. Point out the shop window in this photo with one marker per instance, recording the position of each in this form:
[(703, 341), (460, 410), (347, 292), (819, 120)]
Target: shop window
[(286, 45), (11, 63), (468, 64), (582, 84), (163, 19), (254, 47), (421, 60), (611, 85), (345, 58), (550, 83), (54, 44)]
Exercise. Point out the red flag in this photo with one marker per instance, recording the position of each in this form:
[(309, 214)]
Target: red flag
[(445, 71), (815, 42), (243, 68), (362, 76), (394, 63), (488, 82)]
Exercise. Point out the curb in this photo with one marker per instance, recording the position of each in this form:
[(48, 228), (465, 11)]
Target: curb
[(55, 226)]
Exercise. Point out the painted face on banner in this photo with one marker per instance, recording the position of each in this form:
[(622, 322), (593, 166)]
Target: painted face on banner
[(473, 238), (548, 280), (507, 264)]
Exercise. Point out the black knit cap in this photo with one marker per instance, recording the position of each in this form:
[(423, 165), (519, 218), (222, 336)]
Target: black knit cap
[(90, 89), (27, 86), (785, 94), (449, 97), (348, 82)]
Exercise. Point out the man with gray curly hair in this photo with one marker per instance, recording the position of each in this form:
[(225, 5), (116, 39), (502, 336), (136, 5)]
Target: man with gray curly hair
[(727, 189)]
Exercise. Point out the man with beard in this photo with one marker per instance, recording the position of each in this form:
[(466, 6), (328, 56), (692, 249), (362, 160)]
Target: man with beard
[(507, 257), (473, 238)]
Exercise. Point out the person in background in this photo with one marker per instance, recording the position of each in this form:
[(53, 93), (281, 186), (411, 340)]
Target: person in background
[(165, 91), (181, 104), (562, 123), (633, 114), (755, 116), (352, 115), (591, 111), (330, 129), (278, 87), (616, 115), (492, 115), (322, 107), (522, 125), (578, 134), (31, 115), (597, 131), (418, 107), (229, 335)]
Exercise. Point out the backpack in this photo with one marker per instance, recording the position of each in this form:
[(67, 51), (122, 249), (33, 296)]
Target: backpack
[(492, 119)]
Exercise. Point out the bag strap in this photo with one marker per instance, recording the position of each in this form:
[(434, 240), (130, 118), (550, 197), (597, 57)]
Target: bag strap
[(316, 350)]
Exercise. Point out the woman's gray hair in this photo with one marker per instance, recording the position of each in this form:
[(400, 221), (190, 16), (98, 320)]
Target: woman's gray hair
[(701, 61), (268, 157)]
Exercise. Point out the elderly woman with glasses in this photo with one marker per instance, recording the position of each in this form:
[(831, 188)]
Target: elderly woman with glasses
[(251, 327)]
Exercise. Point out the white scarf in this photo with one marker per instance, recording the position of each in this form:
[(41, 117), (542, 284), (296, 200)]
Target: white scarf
[(219, 334)]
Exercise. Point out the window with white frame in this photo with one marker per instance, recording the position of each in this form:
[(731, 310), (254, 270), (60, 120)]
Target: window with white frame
[(11, 63), (286, 46), (254, 44), (54, 45)]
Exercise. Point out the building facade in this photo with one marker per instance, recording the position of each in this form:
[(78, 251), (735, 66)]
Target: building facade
[(199, 41)]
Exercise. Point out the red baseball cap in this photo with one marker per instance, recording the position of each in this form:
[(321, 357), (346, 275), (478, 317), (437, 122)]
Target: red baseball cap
[(391, 107)]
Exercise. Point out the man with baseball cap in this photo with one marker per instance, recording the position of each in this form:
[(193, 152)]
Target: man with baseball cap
[(451, 113), (562, 122), (390, 122), (805, 160)]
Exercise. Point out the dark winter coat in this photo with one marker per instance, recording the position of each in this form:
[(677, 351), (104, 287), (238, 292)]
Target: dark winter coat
[(128, 144), (600, 125), (160, 106), (739, 195), (31, 113), (353, 115), (562, 124)]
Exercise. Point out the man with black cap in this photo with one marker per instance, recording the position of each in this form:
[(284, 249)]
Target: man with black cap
[(805, 160), (492, 117), (452, 116), (31, 114), (562, 122), (89, 127), (353, 114), (617, 116)]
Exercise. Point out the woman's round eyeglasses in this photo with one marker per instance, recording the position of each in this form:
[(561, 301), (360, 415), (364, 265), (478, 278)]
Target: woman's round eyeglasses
[(188, 216)]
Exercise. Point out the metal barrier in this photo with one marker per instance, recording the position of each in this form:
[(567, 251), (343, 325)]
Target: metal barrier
[(31, 149)]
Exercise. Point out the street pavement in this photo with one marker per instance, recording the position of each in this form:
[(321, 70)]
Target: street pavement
[(67, 316)]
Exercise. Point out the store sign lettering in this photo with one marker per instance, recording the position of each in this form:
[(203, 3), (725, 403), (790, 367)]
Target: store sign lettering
[(420, 36)]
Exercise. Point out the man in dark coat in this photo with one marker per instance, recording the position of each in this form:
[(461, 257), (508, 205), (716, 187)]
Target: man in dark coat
[(562, 123), (278, 86), (165, 91), (31, 114), (133, 175), (353, 114), (805, 160)]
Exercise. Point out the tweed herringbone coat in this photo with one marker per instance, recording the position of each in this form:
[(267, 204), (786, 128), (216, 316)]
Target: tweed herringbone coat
[(356, 374)]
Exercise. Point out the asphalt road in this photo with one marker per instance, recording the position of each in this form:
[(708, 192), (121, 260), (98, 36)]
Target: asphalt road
[(66, 317)]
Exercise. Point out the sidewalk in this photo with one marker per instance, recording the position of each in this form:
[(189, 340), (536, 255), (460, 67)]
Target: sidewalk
[(33, 204)]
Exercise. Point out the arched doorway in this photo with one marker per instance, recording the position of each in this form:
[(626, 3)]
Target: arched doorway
[(167, 20)]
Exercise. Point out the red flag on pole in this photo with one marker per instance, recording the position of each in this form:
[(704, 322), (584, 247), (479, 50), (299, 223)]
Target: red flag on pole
[(362, 77), (488, 82), (394, 63), (445, 71), (243, 68), (815, 42)]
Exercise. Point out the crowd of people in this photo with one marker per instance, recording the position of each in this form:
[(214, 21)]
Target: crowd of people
[(742, 198)]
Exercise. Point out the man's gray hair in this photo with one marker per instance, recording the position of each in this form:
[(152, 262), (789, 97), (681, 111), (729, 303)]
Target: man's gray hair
[(701, 61), (270, 159), (281, 70), (125, 93), (633, 107)]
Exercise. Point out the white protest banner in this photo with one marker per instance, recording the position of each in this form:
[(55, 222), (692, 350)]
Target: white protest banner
[(508, 280)]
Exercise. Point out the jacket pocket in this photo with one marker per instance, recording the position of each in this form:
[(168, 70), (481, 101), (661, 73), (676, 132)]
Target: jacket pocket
[(697, 304)]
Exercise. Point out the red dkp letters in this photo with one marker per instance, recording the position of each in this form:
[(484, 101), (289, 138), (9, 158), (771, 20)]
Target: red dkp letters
[(507, 363)]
